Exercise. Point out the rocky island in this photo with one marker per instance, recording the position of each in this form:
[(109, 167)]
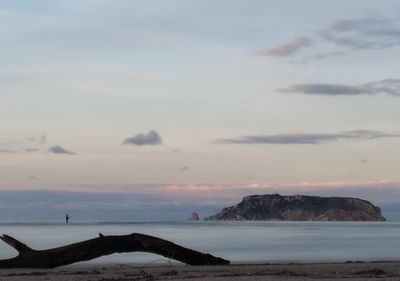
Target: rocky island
[(300, 208)]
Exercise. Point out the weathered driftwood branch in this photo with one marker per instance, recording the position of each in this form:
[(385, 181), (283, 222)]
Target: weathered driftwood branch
[(101, 246)]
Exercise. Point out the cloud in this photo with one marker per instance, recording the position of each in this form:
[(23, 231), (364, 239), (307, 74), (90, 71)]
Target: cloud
[(59, 150), (41, 139), (324, 89), (304, 138), (31, 149), (373, 32), (387, 86), (185, 168), (151, 138), (7, 151), (22, 144), (363, 33), (288, 48)]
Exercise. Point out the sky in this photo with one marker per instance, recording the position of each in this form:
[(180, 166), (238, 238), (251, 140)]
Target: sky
[(197, 102)]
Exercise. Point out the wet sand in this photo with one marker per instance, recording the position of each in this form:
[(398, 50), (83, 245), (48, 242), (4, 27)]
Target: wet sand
[(296, 272)]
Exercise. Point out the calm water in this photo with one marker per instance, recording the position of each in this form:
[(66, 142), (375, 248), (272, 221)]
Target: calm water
[(240, 242)]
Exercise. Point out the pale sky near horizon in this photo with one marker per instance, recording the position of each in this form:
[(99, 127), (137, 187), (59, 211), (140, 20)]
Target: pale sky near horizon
[(199, 93)]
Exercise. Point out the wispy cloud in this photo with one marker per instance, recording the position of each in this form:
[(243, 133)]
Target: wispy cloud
[(387, 86), (21, 144), (41, 139), (287, 48), (363, 33), (59, 150), (372, 32), (151, 138), (185, 168), (29, 149), (7, 151), (306, 138)]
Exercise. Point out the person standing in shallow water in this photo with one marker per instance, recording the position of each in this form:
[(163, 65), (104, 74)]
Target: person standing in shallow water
[(67, 217)]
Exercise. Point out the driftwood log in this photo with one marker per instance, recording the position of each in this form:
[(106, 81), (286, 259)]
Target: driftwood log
[(101, 246)]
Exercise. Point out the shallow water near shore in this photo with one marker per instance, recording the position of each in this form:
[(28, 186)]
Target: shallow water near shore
[(240, 242)]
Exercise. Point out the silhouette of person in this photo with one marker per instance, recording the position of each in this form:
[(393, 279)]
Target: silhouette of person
[(67, 217)]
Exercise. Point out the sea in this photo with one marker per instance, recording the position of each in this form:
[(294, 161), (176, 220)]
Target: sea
[(240, 242)]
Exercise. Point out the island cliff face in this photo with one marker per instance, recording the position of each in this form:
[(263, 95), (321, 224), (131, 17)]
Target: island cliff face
[(300, 208)]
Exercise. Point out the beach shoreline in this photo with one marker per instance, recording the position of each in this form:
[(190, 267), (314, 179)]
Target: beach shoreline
[(384, 270)]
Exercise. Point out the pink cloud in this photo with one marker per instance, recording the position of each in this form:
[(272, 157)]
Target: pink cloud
[(373, 189), (288, 48)]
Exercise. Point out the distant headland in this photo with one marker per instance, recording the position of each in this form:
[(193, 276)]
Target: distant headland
[(300, 208)]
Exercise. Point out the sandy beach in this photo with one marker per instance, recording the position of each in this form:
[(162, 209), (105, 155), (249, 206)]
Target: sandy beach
[(297, 272)]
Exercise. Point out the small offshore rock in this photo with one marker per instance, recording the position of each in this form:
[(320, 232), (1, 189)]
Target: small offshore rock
[(194, 217)]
